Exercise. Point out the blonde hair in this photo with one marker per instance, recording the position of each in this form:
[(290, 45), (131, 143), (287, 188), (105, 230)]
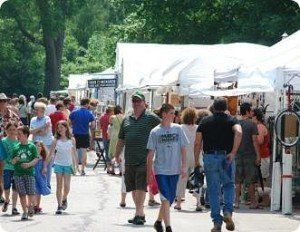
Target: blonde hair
[(40, 105), (188, 116)]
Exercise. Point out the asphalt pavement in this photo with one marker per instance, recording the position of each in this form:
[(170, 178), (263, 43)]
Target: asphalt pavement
[(94, 206)]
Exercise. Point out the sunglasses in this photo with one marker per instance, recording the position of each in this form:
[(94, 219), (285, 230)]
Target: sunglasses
[(136, 100)]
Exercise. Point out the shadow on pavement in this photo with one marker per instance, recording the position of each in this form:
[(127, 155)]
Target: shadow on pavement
[(133, 226)]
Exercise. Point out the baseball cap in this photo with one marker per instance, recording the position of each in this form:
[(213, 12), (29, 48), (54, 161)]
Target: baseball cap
[(138, 94)]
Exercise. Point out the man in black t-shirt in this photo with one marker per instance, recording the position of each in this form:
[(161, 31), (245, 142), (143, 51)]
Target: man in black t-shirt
[(219, 137)]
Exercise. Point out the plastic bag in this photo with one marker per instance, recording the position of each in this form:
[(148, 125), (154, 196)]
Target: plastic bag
[(153, 187)]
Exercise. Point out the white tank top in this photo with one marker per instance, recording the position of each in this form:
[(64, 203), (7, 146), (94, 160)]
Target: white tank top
[(63, 154), (190, 132)]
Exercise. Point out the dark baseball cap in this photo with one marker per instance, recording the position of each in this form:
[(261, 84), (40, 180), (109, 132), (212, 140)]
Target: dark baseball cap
[(138, 94)]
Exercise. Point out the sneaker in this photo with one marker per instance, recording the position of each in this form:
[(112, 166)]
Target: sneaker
[(153, 203), (64, 204), (59, 210), (2, 200), (82, 173), (168, 229), (227, 218), (142, 217), (14, 212), (158, 226), (216, 228), (24, 217), (5, 206)]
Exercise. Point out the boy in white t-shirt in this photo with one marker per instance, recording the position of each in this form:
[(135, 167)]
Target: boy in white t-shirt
[(168, 142)]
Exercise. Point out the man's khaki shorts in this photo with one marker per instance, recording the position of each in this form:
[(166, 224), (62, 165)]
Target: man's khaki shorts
[(136, 177), (246, 170)]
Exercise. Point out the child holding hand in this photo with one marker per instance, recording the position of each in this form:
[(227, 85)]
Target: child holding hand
[(25, 157)]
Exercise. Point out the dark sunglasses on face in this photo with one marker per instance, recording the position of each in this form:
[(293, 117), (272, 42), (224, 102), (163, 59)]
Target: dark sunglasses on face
[(136, 100)]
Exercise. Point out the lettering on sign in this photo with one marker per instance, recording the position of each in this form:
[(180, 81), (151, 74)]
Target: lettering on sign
[(102, 83)]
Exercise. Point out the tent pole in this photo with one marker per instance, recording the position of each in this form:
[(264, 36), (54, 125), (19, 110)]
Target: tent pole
[(276, 167)]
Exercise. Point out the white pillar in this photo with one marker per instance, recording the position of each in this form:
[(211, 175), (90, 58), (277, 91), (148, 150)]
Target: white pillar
[(276, 170), (287, 177), (151, 99), (276, 187)]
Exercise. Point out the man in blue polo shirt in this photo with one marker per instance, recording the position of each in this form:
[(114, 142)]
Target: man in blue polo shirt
[(82, 120)]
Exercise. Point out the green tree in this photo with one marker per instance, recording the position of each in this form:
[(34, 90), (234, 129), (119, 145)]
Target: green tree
[(21, 66), (48, 19)]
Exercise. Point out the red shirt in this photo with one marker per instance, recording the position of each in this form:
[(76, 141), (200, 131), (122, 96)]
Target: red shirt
[(264, 142), (55, 118), (104, 123)]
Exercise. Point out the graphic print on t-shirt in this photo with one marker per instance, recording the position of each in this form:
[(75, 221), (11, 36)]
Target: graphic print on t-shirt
[(23, 156), (168, 138)]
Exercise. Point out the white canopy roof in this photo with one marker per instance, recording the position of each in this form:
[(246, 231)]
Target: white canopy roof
[(193, 69), (109, 73), (280, 62), (284, 54), (157, 64), (78, 81)]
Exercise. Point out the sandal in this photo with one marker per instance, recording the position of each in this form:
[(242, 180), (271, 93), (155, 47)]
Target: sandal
[(122, 205), (30, 211), (177, 207), (199, 208), (153, 203), (236, 205)]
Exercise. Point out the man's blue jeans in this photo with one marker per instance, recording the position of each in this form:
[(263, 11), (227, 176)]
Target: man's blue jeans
[(219, 172), (106, 150)]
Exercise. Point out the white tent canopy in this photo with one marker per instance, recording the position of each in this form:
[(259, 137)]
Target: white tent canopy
[(193, 69), (285, 53), (106, 74), (254, 82), (169, 65), (78, 81), (280, 62)]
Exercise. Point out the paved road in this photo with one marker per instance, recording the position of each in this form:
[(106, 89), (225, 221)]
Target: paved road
[(93, 206)]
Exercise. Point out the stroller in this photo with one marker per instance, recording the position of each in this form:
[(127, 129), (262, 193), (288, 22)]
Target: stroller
[(197, 186)]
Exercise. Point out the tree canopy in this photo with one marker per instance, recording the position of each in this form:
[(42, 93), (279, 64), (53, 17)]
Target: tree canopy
[(43, 41)]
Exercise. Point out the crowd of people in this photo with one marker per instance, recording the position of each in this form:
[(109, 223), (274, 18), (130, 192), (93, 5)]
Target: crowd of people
[(163, 152)]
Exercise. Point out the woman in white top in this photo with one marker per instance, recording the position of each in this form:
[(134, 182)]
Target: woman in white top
[(188, 119), (64, 151)]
